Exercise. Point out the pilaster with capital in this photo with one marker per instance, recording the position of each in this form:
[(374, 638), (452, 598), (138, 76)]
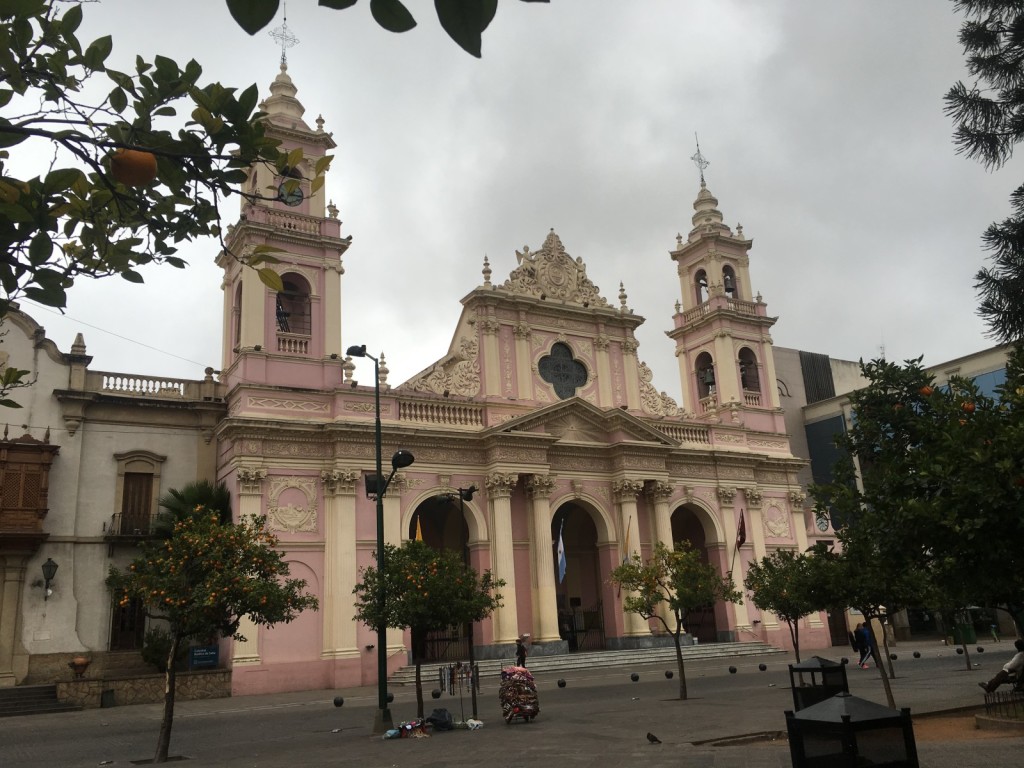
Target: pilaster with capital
[(545, 606), (632, 373), (626, 492), (250, 504), (499, 500), (658, 494), (12, 583), (524, 372), (393, 535), (489, 332), (340, 573), (604, 370)]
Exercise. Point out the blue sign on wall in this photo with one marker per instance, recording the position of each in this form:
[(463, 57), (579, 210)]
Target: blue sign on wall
[(203, 656)]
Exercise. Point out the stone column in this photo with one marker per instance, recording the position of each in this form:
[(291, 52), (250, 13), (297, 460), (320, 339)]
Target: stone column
[(393, 534), (339, 563), (250, 504), (755, 535), (499, 499), (545, 603), (730, 523), (799, 522), (12, 580), (658, 493), (626, 492)]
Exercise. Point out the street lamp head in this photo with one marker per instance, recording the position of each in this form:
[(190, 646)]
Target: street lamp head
[(49, 570), (466, 494), (402, 459), (359, 351)]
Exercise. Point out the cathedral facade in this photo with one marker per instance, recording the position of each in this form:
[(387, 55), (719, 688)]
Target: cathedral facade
[(539, 423)]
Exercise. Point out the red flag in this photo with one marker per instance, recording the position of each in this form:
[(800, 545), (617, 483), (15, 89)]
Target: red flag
[(741, 532)]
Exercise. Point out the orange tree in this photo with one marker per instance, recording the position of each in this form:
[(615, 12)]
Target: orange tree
[(790, 585), (937, 486), (674, 582), (125, 177), (202, 581), (424, 589)]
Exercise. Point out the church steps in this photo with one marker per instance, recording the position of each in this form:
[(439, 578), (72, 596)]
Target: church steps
[(596, 659)]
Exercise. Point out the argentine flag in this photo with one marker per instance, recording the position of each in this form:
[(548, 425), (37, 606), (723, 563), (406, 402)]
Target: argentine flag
[(561, 555)]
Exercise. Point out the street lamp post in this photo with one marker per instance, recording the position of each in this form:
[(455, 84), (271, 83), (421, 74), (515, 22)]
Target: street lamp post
[(401, 459)]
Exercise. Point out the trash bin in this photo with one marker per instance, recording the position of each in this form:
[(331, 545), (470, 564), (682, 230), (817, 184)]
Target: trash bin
[(964, 634)]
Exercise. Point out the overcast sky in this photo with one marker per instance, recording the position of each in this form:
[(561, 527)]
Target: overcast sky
[(822, 122)]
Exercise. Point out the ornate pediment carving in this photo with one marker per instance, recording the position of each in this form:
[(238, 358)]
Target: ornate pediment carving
[(551, 273)]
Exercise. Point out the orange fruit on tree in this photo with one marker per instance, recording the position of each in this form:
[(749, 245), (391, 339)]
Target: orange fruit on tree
[(967, 406), (133, 167), (926, 390)]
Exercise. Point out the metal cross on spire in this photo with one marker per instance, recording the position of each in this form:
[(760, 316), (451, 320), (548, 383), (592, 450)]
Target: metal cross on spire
[(284, 37), (699, 160)]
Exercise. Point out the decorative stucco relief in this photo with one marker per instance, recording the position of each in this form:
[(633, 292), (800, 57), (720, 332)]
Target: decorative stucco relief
[(303, 406), (767, 477), (736, 473), (283, 448), (552, 273), (652, 402), (292, 517), (457, 374), (776, 521), (580, 463), (340, 481), (250, 480), (385, 408), (771, 445), (698, 470), (726, 495)]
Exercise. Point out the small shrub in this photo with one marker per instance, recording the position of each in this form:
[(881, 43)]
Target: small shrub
[(155, 647)]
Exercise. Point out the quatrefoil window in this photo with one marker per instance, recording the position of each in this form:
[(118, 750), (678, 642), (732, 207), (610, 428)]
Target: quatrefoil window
[(561, 371)]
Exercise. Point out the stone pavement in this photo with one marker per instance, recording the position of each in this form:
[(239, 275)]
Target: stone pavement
[(599, 718)]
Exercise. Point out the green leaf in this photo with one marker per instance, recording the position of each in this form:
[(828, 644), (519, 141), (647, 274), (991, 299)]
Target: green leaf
[(165, 112), (392, 15), (252, 15), (5, 96), (323, 164), (132, 277), (40, 248), (62, 179), (5, 403), (70, 20), (466, 20), (97, 52), (271, 279), (337, 5), (8, 139), (118, 101)]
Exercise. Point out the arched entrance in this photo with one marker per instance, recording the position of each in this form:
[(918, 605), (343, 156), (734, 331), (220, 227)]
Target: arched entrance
[(687, 525), (438, 521), (580, 609)]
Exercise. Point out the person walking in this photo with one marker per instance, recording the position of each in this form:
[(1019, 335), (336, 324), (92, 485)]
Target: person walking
[(1013, 669), (520, 652), (867, 645)]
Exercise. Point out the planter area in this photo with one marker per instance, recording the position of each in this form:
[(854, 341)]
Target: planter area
[(144, 689)]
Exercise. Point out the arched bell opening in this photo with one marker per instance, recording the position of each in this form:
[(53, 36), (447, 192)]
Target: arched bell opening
[(750, 377), (700, 284), (704, 369), (729, 284), (292, 309), (579, 591)]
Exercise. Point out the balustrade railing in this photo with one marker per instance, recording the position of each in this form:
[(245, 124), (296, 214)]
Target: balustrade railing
[(130, 384), (293, 344), (752, 398), (686, 434), (448, 413)]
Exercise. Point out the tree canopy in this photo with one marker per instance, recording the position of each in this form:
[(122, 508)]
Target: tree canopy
[(424, 589), (669, 587), (203, 580)]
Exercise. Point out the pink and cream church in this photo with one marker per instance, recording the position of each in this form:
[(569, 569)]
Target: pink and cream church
[(542, 403)]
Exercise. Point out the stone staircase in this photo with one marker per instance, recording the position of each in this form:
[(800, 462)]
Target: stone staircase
[(490, 668), (31, 700)]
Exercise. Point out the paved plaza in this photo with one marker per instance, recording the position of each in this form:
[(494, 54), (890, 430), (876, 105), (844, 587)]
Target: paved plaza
[(601, 717)]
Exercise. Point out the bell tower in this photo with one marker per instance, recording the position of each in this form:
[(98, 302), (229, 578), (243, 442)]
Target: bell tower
[(720, 328), (288, 337)]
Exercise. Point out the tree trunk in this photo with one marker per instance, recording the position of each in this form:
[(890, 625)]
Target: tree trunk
[(888, 656), (679, 663), (794, 635), (881, 667), (163, 742), (967, 654), (419, 692)]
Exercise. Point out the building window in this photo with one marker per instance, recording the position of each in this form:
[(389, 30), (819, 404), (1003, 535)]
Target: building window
[(138, 488), (561, 371), (293, 306)]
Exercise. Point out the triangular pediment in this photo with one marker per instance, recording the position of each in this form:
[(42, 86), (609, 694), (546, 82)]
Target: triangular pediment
[(577, 421)]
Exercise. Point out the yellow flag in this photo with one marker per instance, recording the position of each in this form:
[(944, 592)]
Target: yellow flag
[(419, 530)]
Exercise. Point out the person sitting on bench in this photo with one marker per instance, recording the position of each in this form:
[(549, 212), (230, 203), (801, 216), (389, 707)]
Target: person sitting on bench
[(1012, 670)]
